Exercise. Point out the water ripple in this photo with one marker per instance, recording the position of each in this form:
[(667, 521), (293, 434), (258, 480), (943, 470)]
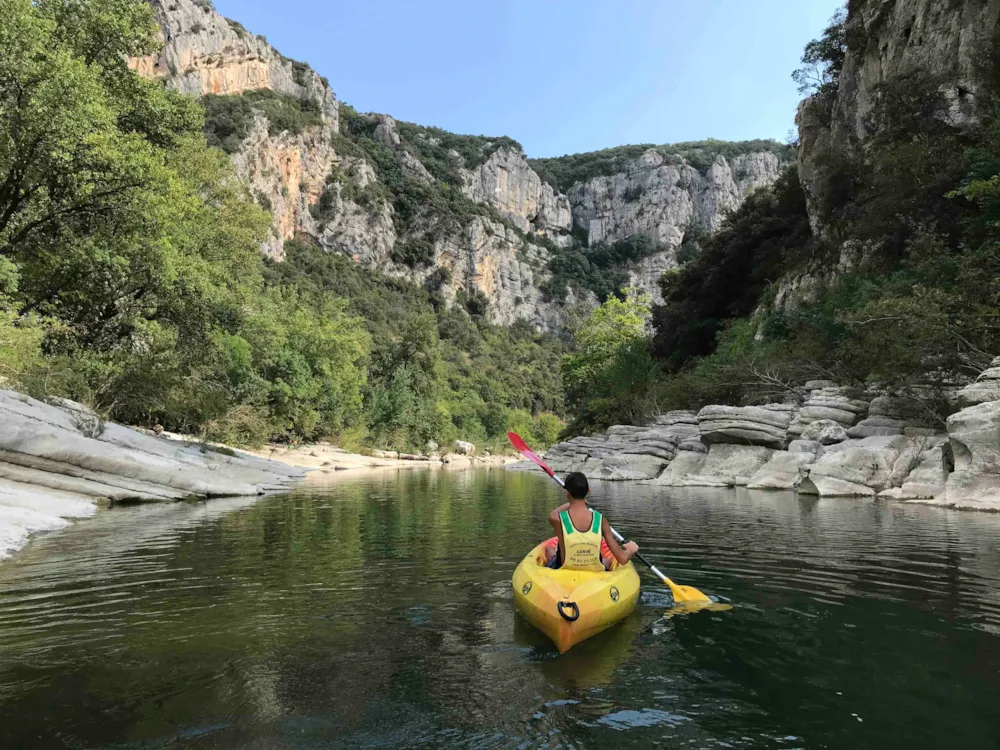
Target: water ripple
[(378, 612)]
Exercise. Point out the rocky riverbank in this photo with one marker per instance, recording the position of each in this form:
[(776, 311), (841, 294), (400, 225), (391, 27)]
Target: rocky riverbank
[(60, 461), (825, 440)]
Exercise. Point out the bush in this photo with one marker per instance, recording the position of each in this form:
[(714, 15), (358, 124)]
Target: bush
[(416, 252), (228, 119), (602, 269)]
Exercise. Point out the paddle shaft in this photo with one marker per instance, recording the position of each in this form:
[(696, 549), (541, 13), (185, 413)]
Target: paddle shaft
[(618, 536)]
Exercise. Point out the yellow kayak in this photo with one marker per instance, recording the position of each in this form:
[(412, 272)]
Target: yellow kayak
[(569, 606)]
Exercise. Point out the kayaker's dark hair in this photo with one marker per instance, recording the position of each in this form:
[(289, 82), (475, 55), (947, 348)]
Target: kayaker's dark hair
[(577, 485)]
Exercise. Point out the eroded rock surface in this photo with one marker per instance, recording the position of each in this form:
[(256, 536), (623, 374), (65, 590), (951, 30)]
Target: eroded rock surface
[(54, 465)]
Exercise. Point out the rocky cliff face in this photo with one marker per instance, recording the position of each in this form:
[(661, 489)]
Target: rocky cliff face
[(506, 182), (204, 53), (663, 198), (887, 39), (320, 186)]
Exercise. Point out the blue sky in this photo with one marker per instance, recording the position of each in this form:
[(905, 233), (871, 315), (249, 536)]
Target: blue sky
[(558, 76)]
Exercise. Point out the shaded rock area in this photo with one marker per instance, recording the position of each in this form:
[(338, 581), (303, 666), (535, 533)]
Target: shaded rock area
[(840, 443), (59, 460)]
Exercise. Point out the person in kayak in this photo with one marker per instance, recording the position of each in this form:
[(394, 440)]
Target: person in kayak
[(580, 529)]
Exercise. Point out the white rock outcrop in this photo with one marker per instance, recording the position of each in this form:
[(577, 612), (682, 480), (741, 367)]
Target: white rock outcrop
[(55, 464), (629, 453), (205, 53), (824, 432), (746, 425), (974, 437), (855, 467), (985, 389), (662, 197), (827, 401), (786, 470), (508, 183), (722, 466)]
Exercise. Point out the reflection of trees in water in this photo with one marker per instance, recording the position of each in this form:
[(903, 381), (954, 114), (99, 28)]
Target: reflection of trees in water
[(383, 602), (398, 569)]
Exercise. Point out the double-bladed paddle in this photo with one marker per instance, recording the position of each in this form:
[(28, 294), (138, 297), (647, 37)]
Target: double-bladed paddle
[(682, 594)]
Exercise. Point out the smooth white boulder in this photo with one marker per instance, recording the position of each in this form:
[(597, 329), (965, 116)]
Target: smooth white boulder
[(974, 438), (785, 471), (57, 460)]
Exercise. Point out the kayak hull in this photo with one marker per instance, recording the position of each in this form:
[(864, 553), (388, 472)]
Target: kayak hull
[(570, 606)]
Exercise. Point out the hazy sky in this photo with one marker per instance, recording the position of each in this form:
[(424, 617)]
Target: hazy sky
[(560, 76)]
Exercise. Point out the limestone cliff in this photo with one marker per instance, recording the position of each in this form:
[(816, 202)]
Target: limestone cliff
[(204, 53), (887, 39), (663, 197), (460, 214), (507, 182)]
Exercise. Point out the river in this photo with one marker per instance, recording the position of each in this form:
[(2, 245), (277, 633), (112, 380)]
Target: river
[(376, 612)]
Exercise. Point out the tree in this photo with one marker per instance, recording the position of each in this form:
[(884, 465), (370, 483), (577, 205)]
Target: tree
[(765, 237), (611, 369), (80, 134), (823, 60)]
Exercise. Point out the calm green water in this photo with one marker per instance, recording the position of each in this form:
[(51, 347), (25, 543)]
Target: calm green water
[(376, 612)]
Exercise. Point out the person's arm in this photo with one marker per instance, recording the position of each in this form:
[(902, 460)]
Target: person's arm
[(554, 516), (622, 554)]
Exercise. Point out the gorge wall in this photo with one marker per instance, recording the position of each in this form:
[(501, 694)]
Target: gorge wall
[(888, 39), (345, 185)]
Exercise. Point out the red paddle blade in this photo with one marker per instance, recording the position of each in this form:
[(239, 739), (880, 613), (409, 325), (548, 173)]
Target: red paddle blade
[(522, 447)]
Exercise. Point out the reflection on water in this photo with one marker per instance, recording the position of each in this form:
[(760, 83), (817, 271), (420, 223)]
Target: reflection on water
[(376, 612)]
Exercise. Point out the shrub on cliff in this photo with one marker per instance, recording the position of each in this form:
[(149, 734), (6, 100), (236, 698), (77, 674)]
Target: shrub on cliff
[(228, 119), (768, 234)]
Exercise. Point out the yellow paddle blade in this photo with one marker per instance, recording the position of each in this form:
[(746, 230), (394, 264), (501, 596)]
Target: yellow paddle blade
[(685, 594), (688, 608)]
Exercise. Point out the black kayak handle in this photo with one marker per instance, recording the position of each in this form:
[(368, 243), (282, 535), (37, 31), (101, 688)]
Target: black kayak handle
[(562, 606)]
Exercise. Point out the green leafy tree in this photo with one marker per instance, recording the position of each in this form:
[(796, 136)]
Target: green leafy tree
[(608, 375), (823, 59)]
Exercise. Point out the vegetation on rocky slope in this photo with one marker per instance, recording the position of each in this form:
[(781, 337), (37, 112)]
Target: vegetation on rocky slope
[(441, 151), (900, 288), (562, 172), (602, 268), (228, 119), (131, 277)]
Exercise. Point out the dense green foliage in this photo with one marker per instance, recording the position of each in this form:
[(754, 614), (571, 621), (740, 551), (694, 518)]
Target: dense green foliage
[(766, 236), (562, 172), (436, 373), (602, 268), (130, 263), (434, 147), (610, 372), (131, 277), (228, 119)]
